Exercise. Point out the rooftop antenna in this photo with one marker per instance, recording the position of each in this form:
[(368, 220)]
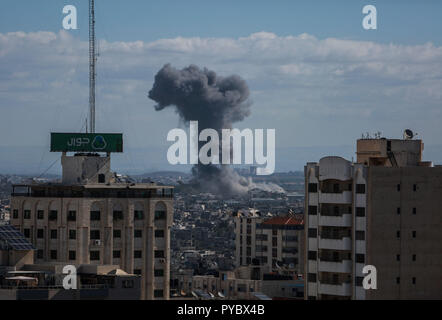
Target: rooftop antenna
[(92, 61)]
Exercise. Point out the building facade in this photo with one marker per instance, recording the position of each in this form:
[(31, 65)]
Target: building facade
[(275, 244), (90, 218), (382, 211)]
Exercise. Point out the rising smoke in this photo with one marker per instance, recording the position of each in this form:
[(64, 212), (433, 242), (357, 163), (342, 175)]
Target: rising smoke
[(216, 103)]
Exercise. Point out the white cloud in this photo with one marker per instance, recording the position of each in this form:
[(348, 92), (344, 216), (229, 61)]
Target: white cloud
[(301, 81)]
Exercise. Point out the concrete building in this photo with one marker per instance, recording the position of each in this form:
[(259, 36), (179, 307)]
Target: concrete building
[(93, 218), (271, 244), (382, 210), (234, 285)]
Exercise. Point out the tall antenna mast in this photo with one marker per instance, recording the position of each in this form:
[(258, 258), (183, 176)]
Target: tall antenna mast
[(92, 61)]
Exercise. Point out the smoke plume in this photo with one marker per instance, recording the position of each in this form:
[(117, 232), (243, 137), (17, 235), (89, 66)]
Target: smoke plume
[(216, 103)]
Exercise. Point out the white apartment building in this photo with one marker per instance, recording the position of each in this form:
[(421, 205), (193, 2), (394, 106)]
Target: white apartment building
[(384, 211), (272, 244)]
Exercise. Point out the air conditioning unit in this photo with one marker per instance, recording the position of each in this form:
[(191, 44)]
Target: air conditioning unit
[(97, 242)]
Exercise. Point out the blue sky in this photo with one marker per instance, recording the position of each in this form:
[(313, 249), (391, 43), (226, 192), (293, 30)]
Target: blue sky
[(404, 21), (315, 75)]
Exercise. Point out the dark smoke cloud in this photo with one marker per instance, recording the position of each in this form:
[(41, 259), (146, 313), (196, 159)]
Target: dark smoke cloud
[(216, 103), (200, 95)]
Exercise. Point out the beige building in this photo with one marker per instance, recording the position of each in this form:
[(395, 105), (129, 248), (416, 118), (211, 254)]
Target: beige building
[(383, 211), (272, 244), (92, 218)]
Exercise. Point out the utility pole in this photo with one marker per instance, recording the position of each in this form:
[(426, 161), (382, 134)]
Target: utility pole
[(92, 61)]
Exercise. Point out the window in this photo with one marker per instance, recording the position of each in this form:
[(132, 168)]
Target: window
[(313, 210), (137, 271), (398, 257), (15, 214), (27, 233), (414, 187), (72, 215), (54, 234), (313, 187), (274, 252), (40, 233), (312, 232), (72, 234), (95, 234), (138, 233), (159, 273), (118, 215), (160, 215), (95, 215), (101, 178), (159, 254), (413, 280), (398, 280), (53, 215), (40, 214), (312, 255), (116, 254), (360, 235), (360, 188), (159, 233), (398, 234), (311, 277), (158, 293), (39, 254), (360, 212), (414, 210), (398, 210), (414, 234), (413, 257), (399, 187), (95, 255), (117, 233), (53, 254), (72, 255), (138, 254), (360, 258), (358, 281), (275, 241), (138, 215), (27, 214)]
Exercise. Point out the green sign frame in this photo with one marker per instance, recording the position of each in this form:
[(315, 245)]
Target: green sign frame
[(87, 142)]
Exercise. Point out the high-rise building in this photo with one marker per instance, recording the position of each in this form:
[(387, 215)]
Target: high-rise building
[(93, 218), (271, 244), (383, 210)]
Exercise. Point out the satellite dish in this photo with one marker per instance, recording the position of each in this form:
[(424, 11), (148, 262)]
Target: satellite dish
[(221, 295), (408, 134)]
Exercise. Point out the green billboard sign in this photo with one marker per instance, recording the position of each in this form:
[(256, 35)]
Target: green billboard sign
[(86, 142)]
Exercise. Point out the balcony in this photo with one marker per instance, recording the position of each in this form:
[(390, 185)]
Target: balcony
[(344, 266), (335, 244), (336, 198), (343, 289), (336, 221)]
